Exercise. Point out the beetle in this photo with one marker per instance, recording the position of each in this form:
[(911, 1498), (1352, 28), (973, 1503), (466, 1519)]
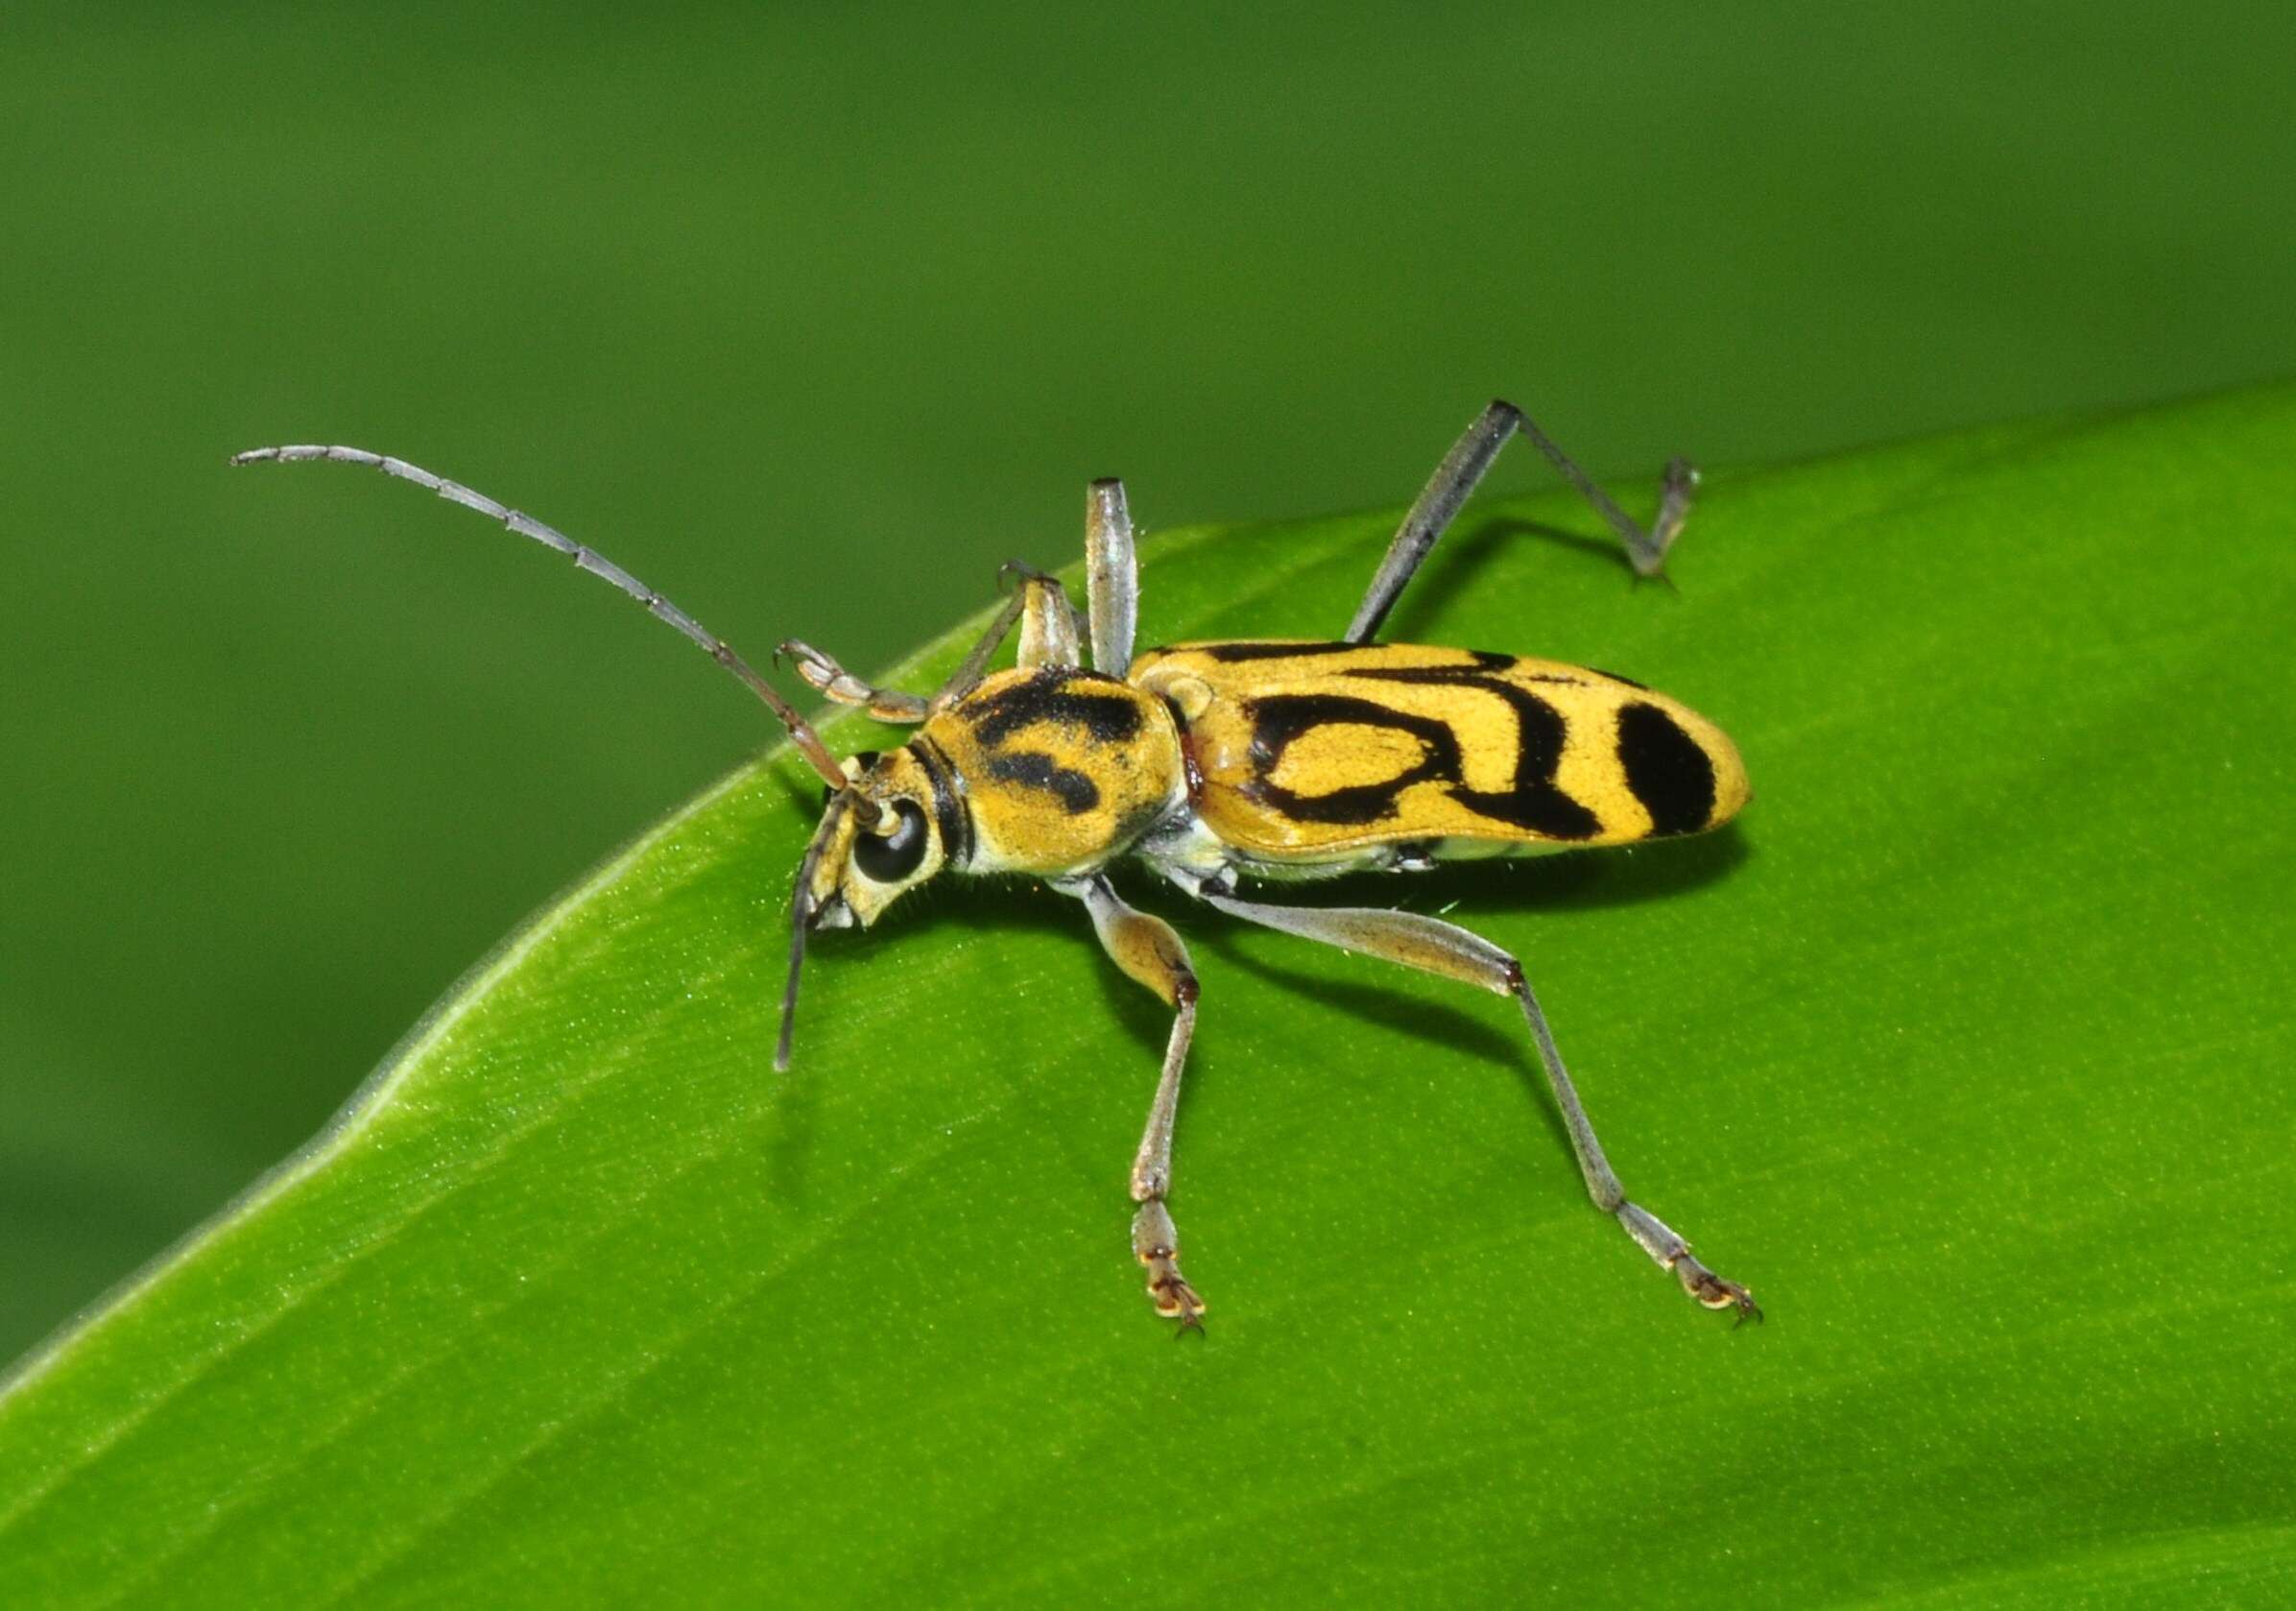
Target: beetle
[(1264, 758)]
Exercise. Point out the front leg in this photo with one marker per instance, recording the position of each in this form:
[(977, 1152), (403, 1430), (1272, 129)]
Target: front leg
[(1039, 607), (825, 677), (1147, 949)]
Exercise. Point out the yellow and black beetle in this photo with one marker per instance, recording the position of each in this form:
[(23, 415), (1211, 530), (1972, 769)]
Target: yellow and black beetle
[(1254, 758)]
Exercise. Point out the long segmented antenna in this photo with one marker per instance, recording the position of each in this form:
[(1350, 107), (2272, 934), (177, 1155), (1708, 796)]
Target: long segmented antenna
[(585, 557)]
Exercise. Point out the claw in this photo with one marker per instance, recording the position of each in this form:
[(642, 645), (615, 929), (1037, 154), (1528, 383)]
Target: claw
[(1157, 1245), (1652, 1235), (1173, 1298), (1714, 1293)]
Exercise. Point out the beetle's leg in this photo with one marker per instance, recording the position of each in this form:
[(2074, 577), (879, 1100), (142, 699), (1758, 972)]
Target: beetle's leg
[(1145, 947), (1039, 607), (1112, 577), (585, 557), (1048, 634), (1446, 948), (1455, 482), (834, 682)]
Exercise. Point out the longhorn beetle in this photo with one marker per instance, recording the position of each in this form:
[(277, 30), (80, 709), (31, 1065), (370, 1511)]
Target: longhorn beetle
[(1268, 758)]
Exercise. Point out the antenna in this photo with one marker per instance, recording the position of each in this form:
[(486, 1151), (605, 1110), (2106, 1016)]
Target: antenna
[(585, 558)]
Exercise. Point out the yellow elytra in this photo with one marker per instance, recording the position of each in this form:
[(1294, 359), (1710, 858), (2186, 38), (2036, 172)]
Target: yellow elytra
[(1314, 755), (1213, 763)]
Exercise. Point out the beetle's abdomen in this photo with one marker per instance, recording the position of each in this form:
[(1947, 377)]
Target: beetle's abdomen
[(1061, 769), (1311, 752)]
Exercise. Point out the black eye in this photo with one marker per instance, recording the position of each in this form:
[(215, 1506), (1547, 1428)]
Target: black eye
[(891, 856)]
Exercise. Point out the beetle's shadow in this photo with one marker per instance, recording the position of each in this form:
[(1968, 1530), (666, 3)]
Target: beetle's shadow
[(1568, 882), (1561, 883), (1575, 881)]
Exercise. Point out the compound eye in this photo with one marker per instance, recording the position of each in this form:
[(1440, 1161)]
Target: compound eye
[(889, 857)]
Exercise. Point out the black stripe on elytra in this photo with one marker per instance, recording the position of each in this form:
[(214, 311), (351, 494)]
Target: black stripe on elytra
[(1670, 775), (1064, 697), (1029, 769), (1252, 649), (949, 808), (1479, 674), (1533, 801), (1277, 719)]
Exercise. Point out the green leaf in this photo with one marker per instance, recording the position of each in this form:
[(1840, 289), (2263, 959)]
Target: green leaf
[(1968, 1049)]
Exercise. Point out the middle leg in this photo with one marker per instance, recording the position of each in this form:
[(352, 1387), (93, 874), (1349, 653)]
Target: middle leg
[(1112, 577), (1147, 949)]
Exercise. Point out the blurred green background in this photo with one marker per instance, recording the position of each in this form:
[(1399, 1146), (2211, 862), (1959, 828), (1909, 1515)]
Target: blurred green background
[(812, 316)]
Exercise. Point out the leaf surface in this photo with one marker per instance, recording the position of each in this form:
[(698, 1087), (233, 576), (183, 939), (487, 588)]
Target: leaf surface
[(1968, 1049)]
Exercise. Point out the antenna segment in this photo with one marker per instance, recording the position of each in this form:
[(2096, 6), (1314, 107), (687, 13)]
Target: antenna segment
[(589, 559)]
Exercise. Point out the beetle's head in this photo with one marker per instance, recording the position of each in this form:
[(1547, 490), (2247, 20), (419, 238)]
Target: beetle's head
[(860, 868), (880, 837)]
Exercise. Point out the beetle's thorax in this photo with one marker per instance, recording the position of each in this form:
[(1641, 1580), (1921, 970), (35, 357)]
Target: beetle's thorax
[(1057, 770)]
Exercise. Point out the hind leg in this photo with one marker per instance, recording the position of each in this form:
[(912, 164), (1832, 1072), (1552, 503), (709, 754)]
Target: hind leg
[(1444, 949), (1455, 482)]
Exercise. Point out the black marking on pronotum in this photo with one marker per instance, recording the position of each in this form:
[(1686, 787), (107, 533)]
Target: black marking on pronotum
[(1063, 697), (1076, 792), (950, 809), (1670, 775)]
